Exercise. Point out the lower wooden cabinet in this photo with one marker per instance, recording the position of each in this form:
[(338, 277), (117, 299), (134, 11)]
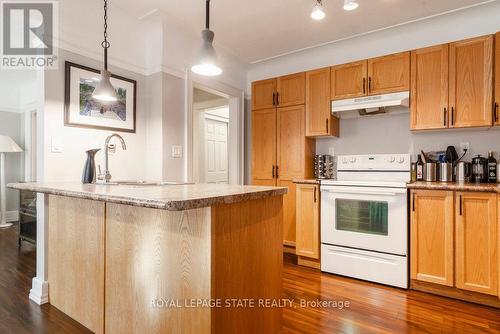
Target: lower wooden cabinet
[(476, 242), (432, 255), (307, 223), (455, 241)]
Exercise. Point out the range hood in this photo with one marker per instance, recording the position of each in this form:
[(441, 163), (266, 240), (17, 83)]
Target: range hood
[(395, 103)]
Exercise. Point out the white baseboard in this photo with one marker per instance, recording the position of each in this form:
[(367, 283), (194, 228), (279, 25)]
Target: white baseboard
[(12, 216), (39, 292)]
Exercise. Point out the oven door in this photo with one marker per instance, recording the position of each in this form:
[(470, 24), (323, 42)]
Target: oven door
[(368, 218)]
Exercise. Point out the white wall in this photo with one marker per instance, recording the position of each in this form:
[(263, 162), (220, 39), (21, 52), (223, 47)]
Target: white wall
[(388, 134), (12, 125), (68, 165)]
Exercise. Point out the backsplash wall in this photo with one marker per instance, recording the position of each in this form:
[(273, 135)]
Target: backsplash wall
[(391, 134)]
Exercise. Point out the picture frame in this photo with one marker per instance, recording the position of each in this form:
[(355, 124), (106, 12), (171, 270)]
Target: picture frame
[(81, 110)]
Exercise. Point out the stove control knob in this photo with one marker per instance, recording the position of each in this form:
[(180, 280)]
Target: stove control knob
[(344, 160), (401, 160), (391, 159), (353, 160)]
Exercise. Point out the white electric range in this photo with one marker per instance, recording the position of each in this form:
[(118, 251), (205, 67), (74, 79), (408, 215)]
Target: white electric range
[(364, 220)]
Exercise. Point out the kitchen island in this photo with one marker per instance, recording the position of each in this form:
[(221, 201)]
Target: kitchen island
[(165, 258)]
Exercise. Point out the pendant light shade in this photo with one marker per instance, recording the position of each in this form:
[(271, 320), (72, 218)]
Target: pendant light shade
[(206, 61), (105, 92)]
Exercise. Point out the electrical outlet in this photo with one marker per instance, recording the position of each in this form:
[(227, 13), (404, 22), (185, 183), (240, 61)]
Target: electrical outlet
[(465, 146), (331, 151), (176, 151)]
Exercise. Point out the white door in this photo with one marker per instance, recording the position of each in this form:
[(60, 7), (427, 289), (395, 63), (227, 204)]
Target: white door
[(216, 164)]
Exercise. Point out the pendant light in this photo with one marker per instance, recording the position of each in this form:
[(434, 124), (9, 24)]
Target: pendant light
[(105, 92), (317, 12), (207, 58), (350, 4)]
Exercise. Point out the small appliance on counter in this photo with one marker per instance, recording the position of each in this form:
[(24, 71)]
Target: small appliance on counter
[(463, 171), (325, 167), (479, 170)]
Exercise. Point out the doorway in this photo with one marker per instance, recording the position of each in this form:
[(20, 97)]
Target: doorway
[(211, 137)]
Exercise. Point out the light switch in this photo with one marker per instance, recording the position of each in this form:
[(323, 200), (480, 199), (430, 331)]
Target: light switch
[(176, 151), (55, 145)]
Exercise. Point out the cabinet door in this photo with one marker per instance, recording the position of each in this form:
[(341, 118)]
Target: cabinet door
[(291, 90), (476, 242), (290, 143), (432, 235), (263, 94), (429, 88), (263, 146), (307, 224), (471, 82), (289, 212), (349, 80), (318, 104), (389, 74), (497, 80)]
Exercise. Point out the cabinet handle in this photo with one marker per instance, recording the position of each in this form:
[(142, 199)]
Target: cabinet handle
[(452, 116), (274, 99), (277, 173), (315, 189), (277, 99), (460, 205), (273, 171), (413, 203), (327, 127), (495, 112), (369, 84), (364, 85), (445, 122)]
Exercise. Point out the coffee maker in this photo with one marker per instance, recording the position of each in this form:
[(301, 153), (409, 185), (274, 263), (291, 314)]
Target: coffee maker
[(479, 170)]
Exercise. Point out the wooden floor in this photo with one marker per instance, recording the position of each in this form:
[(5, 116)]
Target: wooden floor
[(372, 308)]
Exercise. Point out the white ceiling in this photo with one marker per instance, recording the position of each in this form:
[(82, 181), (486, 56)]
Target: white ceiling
[(255, 30)]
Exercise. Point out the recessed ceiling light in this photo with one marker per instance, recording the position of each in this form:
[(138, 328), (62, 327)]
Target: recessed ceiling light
[(350, 4), (318, 13)]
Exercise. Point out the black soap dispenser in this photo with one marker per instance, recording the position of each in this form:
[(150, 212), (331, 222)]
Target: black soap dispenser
[(89, 168)]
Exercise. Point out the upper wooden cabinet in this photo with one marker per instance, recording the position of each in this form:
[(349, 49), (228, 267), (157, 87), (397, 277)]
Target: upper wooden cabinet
[(264, 94), (432, 256), (291, 90), (389, 74), (476, 242), (471, 82), (349, 80), (496, 114), (308, 243), (429, 88), (264, 146), (285, 91), (319, 120)]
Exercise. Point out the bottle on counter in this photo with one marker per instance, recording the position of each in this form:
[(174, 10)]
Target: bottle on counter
[(492, 168), (420, 168)]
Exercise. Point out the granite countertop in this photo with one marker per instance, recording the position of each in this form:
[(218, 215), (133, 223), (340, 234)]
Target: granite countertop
[(306, 181), (173, 197), (455, 186)]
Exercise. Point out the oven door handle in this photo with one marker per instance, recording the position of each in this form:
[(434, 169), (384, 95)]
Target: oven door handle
[(392, 192)]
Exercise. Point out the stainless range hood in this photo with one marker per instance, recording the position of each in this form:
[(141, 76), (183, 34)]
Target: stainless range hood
[(395, 103)]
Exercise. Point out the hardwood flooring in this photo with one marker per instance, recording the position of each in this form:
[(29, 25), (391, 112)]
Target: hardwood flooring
[(372, 308)]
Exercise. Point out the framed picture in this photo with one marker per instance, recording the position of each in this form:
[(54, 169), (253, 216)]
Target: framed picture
[(81, 110)]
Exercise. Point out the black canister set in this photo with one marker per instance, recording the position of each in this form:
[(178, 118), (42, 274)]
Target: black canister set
[(448, 167)]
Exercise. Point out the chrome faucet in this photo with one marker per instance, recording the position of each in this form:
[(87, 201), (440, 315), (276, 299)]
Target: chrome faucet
[(107, 175)]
